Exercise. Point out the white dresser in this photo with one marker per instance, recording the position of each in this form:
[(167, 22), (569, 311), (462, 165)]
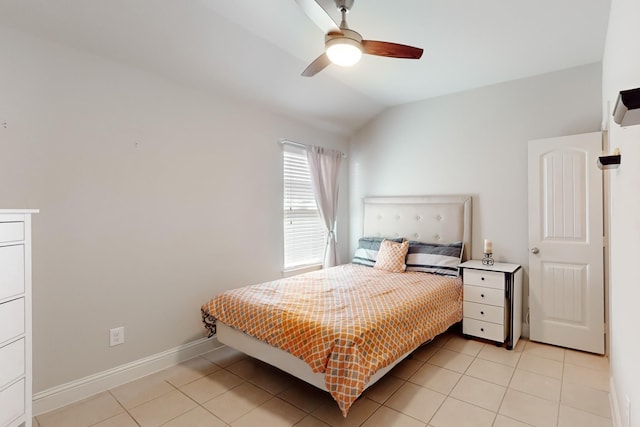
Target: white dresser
[(15, 317), (492, 307)]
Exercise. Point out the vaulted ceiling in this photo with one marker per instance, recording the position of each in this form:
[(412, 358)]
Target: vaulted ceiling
[(255, 50)]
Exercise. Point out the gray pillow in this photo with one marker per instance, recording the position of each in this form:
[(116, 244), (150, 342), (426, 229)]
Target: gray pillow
[(434, 258)]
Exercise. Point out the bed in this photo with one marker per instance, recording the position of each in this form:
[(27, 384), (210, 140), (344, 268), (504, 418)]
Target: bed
[(342, 329)]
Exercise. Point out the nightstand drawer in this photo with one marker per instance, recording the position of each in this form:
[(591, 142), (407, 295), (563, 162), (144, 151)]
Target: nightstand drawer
[(488, 313), (11, 319), (11, 231), (11, 270), (487, 279), (12, 402), (484, 295), (12, 361), (487, 330)]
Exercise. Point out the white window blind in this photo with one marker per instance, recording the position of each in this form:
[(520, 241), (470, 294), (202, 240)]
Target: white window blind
[(304, 235)]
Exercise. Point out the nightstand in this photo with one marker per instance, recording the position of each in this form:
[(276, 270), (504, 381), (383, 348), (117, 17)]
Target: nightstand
[(492, 306)]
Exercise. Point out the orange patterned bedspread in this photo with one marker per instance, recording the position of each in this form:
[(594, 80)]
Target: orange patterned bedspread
[(346, 322)]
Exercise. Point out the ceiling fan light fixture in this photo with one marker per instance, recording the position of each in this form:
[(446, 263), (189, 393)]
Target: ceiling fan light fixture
[(344, 51), (344, 46)]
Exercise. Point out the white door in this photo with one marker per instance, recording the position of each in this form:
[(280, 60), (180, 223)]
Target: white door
[(566, 278)]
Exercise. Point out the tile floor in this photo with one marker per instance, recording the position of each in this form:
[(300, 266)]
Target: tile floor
[(451, 382)]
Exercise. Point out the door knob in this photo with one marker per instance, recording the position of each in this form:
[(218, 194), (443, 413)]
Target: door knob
[(535, 251)]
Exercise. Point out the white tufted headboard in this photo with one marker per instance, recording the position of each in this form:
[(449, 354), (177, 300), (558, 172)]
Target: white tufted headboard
[(430, 219)]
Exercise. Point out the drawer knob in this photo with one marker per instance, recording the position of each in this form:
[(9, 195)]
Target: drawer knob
[(482, 278), (482, 312), (481, 295), (482, 329)]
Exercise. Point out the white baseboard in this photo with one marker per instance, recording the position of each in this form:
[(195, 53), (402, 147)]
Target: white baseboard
[(62, 395), (616, 416), (525, 330)]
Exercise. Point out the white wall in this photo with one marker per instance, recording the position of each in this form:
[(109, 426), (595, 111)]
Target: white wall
[(153, 199), (621, 70), (474, 143)]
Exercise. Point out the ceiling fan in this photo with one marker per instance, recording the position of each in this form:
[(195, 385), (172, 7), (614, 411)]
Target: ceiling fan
[(344, 46)]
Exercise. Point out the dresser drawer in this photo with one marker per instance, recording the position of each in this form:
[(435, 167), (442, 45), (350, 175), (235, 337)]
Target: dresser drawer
[(484, 295), (487, 330), (12, 401), (12, 361), (488, 313), (11, 231), (487, 279), (11, 319), (11, 270)]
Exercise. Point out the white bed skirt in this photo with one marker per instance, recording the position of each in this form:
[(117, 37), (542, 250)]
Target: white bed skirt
[(283, 360)]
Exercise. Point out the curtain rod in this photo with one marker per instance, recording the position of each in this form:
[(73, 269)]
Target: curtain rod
[(299, 144)]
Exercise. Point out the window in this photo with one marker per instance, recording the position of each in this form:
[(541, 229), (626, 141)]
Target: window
[(304, 233)]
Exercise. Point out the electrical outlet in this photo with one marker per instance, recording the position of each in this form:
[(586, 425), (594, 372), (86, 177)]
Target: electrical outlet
[(116, 336)]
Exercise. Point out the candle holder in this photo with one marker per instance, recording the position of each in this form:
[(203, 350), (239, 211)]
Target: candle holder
[(487, 259)]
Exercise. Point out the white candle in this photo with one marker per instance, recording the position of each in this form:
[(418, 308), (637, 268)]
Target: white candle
[(488, 247)]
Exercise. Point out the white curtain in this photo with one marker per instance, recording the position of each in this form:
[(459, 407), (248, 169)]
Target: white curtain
[(324, 165)]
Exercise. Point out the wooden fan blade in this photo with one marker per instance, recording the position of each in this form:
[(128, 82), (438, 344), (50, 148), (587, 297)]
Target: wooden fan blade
[(393, 50), (318, 15), (320, 63)]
